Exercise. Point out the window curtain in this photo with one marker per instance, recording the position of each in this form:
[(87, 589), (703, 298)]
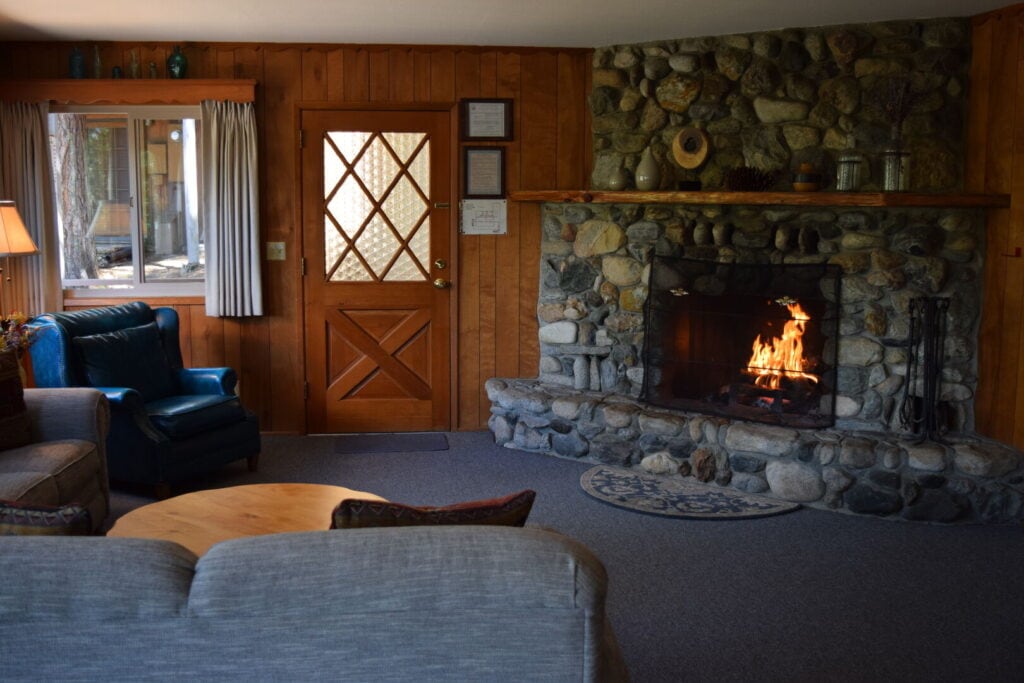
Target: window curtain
[(26, 178), (230, 209)]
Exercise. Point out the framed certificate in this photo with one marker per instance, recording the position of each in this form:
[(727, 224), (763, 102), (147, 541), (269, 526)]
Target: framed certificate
[(486, 119), (483, 172)]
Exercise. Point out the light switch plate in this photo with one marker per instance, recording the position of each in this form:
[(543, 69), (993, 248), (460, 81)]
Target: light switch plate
[(275, 251)]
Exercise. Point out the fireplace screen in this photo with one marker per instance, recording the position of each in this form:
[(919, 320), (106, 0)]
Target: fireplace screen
[(743, 341)]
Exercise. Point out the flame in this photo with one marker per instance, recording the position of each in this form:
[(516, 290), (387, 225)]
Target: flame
[(781, 357)]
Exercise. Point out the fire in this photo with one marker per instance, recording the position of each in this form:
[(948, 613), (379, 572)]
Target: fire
[(781, 357)]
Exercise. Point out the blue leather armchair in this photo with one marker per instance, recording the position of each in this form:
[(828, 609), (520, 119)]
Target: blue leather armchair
[(168, 422)]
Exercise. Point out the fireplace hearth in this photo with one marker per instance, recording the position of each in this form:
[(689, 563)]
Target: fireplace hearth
[(743, 340), (605, 394)]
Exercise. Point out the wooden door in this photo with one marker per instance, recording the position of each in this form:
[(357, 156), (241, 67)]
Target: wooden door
[(376, 242)]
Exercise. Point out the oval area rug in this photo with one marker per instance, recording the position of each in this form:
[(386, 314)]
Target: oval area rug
[(672, 497)]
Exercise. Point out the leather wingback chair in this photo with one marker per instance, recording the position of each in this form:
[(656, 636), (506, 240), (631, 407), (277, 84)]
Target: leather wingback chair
[(168, 422)]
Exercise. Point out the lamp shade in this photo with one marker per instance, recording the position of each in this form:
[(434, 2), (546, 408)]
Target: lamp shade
[(14, 238)]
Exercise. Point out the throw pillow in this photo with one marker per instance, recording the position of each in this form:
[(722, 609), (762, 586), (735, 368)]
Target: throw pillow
[(15, 429), (133, 357), (510, 510), (43, 520)]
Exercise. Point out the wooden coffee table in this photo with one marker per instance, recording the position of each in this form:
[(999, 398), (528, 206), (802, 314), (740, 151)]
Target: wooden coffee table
[(200, 519)]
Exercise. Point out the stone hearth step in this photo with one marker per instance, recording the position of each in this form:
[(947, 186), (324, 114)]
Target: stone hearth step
[(966, 479)]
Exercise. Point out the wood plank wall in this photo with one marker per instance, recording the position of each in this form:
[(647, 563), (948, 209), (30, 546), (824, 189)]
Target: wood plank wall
[(497, 275), (995, 163)]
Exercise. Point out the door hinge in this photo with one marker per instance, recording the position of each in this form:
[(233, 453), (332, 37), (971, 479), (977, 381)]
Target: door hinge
[(305, 391), (302, 266), (302, 138)]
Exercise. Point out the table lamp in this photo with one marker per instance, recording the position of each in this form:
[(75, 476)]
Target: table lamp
[(14, 241)]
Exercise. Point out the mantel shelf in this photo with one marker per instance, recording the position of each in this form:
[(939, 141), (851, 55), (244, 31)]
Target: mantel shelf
[(129, 90), (867, 199)]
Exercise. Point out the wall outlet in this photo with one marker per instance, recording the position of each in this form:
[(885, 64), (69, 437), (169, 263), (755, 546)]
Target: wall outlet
[(275, 251)]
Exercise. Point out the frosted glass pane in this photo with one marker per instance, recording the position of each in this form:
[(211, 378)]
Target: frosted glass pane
[(349, 142), (404, 270), (377, 244), (351, 270), (369, 159), (334, 168), (420, 243), (350, 206), (334, 245), (404, 144), (420, 169), (405, 207), (377, 168)]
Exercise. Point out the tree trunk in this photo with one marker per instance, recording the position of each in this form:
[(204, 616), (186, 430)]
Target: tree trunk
[(72, 198)]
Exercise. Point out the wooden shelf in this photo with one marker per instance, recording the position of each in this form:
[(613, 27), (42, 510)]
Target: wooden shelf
[(867, 199), (129, 90)]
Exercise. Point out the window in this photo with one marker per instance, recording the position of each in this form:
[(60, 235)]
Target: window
[(127, 187)]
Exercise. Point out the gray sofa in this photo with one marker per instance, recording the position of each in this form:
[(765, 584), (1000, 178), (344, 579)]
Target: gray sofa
[(66, 462), (455, 603)]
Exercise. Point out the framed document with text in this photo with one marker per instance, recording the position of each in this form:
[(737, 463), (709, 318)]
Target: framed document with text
[(486, 119), (483, 172)]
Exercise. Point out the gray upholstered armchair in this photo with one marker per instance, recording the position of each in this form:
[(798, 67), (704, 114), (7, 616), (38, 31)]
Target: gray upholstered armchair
[(168, 422)]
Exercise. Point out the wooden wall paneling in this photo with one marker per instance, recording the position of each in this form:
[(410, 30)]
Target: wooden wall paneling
[(1013, 320), (421, 68), (509, 290), (572, 98), (1000, 352), (471, 346), (152, 54), (402, 75), (225, 58), (492, 329), (442, 76), (314, 74), (357, 75), (539, 167), (978, 105), (284, 327), (497, 327), (380, 65), (336, 75)]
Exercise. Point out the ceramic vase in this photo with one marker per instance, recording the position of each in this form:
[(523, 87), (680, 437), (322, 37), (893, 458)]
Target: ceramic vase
[(617, 179), (177, 64), (647, 174)]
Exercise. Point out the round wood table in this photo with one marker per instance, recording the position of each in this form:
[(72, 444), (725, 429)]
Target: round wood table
[(200, 519)]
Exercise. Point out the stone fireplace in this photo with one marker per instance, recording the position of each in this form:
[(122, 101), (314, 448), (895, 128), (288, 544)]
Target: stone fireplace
[(745, 340), (586, 403)]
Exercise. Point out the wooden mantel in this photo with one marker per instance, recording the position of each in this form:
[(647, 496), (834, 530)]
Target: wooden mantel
[(867, 199), (129, 90)]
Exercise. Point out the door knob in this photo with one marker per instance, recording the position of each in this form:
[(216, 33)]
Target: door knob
[(441, 283)]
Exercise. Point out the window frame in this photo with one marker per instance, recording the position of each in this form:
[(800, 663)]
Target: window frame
[(138, 287)]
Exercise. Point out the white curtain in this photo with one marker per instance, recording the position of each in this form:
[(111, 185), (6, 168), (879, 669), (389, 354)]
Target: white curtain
[(230, 209), (26, 177)]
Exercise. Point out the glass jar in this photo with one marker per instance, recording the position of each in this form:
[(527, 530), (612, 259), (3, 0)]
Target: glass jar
[(848, 173), (895, 170)]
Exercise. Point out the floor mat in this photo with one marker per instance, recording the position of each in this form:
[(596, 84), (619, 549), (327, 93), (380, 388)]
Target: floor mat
[(675, 497), (390, 443)]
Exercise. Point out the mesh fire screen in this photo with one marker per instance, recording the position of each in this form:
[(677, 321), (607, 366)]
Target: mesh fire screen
[(743, 341)]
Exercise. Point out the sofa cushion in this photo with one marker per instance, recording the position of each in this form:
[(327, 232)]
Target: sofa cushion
[(17, 519), (73, 464), (133, 357), (511, 510), (14, 423), (182, 416)]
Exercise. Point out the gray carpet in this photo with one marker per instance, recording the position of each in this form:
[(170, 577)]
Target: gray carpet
[(806, 596), (390, 443)]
